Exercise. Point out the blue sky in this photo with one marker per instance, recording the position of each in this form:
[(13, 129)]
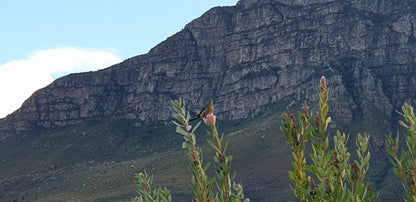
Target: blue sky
[(44, 39)]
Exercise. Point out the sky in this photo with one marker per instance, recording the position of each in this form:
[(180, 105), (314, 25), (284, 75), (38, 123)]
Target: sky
[(43, 40)]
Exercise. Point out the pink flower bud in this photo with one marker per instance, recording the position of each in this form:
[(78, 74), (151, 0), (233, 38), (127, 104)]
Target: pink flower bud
[(323, 82), (210, 119)]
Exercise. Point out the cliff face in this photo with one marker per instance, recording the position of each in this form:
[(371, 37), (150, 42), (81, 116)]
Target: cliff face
[(249, 57)]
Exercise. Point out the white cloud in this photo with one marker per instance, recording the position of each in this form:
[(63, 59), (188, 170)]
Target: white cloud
[(21, 78)]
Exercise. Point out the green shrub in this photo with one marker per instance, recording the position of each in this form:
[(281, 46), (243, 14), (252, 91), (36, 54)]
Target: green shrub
[(144, 181), (405, 163), (330, 176), (202, 186)]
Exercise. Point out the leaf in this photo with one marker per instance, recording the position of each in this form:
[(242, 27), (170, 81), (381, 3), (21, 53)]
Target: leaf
[(389, 139), (180, 130), (329, 156), (310, 169), (213, 146), (320, 171), (177, 124), (176, 104), (389, 151), (234, 175), (188, 116), (185, 145), (195, 127), (364, 144), (212, 180), (225, 147), (367, 159), (292, 176), (193, 139), (328, 120), (216, 159), (326, 144), (178, 117), (207, 166)]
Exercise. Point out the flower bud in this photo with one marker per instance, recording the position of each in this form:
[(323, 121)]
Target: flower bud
[(305, 109), (210, 119), (317, 121), (327, 182), (222, 159), (323, 82), (292, 117), (285, 116)]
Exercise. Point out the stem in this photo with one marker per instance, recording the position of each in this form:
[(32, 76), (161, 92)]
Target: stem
[(222, 159)]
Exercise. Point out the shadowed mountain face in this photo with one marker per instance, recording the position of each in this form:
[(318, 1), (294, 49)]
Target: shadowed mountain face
[(247, 57), (255, 58)]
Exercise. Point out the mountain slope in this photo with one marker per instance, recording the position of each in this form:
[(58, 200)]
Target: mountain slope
[(247, 57), (255, 59)]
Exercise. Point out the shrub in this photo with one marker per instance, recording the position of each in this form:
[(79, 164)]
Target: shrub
[(330, 176), (405, 163), (202, 186)]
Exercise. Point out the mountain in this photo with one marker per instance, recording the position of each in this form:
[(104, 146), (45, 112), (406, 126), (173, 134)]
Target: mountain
[(247, 57), (256, 60)]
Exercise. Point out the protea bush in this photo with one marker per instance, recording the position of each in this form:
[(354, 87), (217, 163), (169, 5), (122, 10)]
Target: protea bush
[(202, 186), (404, 159), (329, 175)]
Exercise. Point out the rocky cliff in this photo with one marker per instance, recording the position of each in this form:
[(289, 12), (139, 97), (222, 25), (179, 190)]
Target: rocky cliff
[(249, 58)]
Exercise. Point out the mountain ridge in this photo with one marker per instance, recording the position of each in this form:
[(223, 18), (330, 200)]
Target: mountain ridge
[(246, 57)]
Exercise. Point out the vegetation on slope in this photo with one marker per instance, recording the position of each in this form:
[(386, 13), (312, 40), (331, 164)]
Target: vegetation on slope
[(95, 161)]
